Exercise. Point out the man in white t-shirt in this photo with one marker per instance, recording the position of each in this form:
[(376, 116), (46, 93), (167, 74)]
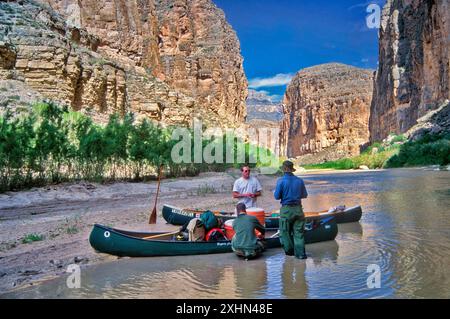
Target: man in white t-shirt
[(247, 188)]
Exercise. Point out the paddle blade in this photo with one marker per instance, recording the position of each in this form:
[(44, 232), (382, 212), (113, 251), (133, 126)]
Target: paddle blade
[(153, 216)]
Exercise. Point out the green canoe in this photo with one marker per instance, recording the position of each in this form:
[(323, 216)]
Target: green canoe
[(131, 244), (179, 217)]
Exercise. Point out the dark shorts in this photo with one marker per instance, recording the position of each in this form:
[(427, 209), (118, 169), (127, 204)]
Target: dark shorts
[(251, 253)]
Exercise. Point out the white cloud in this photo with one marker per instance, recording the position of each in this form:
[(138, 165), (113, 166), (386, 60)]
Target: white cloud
[(264, 92), (277, 80), (366, 4)]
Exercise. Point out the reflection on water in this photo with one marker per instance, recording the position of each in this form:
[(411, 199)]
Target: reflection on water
[(351, 228), (404, 230)]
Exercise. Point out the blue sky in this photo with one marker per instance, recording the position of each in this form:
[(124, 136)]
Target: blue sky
[(280, 37)]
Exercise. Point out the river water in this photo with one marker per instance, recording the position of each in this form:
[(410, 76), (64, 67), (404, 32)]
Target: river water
[(404, 233)]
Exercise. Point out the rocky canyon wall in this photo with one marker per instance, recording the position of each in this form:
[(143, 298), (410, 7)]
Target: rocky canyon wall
[(326, 112), (117, 56), (200, 56), (413, 75), (127, 29)]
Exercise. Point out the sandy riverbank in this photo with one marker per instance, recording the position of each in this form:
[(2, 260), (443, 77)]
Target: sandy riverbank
[(64, 215)]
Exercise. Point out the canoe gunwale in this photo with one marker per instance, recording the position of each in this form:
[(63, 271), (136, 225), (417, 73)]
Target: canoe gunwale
[(130, 244), (179, 216), (129, 235)]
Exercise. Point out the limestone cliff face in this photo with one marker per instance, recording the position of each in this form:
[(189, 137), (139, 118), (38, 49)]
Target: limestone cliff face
[(413, 76), (326, 112), (62, 62), (200, 55), (112, 56), (127, 29)]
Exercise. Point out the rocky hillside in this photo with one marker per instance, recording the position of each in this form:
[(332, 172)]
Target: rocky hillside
[(436, 122), (326, 112), (413, 76), (260, 106), (164, 60)]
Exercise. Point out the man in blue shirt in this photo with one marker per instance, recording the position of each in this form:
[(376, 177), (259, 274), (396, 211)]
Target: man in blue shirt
[(290, 191)]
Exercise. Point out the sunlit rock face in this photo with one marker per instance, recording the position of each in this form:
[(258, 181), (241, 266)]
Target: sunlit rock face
[(168, 61), (326, 112), (127, 29), (200, 56), (413, 73)]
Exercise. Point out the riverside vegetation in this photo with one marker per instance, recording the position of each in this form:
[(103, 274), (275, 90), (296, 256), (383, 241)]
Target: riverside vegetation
[(396, 151), (50, 144)]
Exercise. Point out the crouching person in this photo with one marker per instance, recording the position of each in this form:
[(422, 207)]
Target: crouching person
[(245, 243)]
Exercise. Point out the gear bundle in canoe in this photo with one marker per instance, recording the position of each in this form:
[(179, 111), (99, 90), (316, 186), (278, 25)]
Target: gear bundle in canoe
[(133, 244), (179, 216)]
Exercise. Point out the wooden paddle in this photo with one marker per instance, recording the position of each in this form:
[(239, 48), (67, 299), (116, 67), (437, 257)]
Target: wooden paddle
[(161, 235), (276, 234), (309, 214), (153, 214)]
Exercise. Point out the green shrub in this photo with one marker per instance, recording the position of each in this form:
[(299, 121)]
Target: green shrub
[(429, 150), (399, 139), (71, 230), (373, 161), (30, 238), (52, 144)]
